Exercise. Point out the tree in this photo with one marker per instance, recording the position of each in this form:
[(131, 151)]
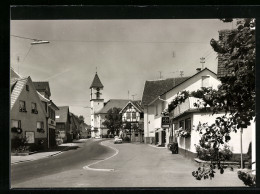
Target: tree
[(81, 118), (236, 94), (113, 120)]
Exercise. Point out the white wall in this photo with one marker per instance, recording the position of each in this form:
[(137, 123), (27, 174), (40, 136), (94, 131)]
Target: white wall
[(234, 143), (193, 84)]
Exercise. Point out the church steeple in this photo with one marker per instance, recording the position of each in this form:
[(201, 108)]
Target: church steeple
[(97, 86)]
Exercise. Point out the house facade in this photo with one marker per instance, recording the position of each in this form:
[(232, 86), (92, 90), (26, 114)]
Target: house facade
[(133, 121), (85, 131), (158, 102), (101, 114), (43, 90), (63, 124), (75, 125), (187, 117), (28, 117)]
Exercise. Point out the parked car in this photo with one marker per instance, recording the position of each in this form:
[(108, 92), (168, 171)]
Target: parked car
[(117, 140)]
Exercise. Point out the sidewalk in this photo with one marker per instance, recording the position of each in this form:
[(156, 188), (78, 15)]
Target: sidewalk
[(39, 155)]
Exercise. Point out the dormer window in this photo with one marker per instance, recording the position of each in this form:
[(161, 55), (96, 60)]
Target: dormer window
[(34, 108), (22, 107)]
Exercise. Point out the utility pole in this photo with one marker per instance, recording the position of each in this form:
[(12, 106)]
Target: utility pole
[(241, 147), (18, 60), (128, 94), (160, 74), (202, 61)]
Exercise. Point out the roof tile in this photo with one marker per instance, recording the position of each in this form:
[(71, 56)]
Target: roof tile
[(96, 83)]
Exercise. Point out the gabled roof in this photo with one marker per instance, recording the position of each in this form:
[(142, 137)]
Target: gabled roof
[(118, 103), (42, 98), (62, 113), (42, 86), (96, 83), (190, 78), (17, 86), (153, 89), (136, 104)]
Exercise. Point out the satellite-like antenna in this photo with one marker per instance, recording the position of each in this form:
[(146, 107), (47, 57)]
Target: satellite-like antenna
[(181, 73), (134, 96), (202, 61)]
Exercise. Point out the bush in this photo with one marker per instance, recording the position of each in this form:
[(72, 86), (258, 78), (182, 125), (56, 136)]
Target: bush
[(214, 154), (19, 144), (248, 178)]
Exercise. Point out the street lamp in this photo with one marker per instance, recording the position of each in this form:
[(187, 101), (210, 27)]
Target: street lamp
[(39, 42)]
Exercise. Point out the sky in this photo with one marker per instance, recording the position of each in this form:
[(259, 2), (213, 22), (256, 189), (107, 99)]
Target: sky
[(125, 53)]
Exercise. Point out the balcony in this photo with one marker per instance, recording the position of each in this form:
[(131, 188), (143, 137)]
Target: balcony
[(186, 106)]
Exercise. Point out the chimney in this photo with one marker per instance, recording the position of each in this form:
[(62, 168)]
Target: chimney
[(198, 70)]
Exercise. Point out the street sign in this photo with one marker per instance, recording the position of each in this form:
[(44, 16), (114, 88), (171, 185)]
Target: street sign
[(165, 122)]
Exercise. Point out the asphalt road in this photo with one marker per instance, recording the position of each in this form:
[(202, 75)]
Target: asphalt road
[(134, 165), (86, 152)]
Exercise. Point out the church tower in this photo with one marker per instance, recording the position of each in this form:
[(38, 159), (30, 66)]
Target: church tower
[(96, 103)]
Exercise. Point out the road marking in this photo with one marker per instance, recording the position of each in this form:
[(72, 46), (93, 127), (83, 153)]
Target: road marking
[(97, 169)]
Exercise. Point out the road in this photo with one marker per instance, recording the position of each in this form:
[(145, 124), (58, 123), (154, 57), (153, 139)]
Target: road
[(87, 152), (125, 165)]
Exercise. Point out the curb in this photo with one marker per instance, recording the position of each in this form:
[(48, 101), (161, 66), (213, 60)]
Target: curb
[(157, 146), (41, 157)]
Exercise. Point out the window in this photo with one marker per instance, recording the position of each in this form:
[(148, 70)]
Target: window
[(134, 115), (136, 135), (128, 115), (205, 81), (27, 87), (181, 124), (34, 108), (22, 107), (16, 123), (40, 125), (188, 124)]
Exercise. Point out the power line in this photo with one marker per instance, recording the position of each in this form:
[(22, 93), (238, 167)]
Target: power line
[(24, 37), (114, 41)]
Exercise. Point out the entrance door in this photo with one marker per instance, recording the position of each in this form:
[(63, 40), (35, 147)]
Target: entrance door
[(156, 138), (163, 137), (52, 137)]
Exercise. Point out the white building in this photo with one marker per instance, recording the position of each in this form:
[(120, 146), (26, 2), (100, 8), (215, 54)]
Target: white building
[(158, 94), (96, 105), (186, 116)]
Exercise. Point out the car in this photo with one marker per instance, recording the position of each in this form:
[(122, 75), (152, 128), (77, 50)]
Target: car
[(117, 140)]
